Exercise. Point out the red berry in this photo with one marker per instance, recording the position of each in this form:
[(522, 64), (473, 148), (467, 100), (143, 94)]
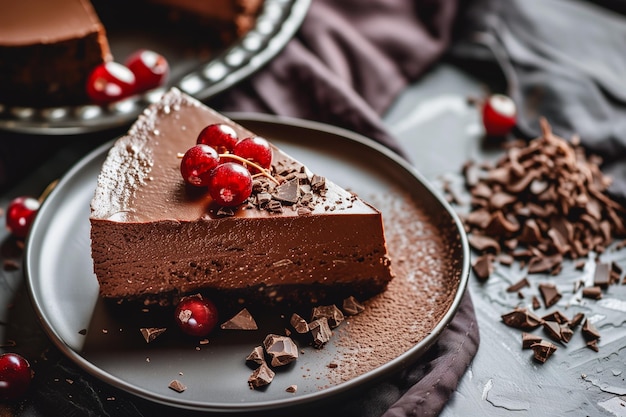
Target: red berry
[(255, 149), (150, 68), (197, 164), (20, 215), (230, 184), (219, 136), (196, 316), (499, 115), (110, 82), (15, 376)]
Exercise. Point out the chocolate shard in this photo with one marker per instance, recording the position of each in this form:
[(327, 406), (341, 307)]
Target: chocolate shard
[(151, 333), (543, 350), (351, 306), (536, 303), (287, 192), (240, 321), (577, 319), (518, 285), (556, 316), (593, 345), (529, 339), (281, 349), (549, 293), (330, 312), (177, 386), (566, 333), (521, 318), (292, 388), (257, 355), (320, 332), (541, 264), (299, 324), (483, 243), (589, 331), (261, 377), (552, 329)]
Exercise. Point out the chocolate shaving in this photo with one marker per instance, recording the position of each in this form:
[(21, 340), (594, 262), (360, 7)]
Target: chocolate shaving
[(151, 333), (483, 266), (546, 195)]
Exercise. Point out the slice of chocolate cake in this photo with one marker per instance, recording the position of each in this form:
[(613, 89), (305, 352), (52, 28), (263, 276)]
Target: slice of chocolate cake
[(153, 237)]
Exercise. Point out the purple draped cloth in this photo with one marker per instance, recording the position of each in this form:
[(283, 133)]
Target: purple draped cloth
[(348, 62)]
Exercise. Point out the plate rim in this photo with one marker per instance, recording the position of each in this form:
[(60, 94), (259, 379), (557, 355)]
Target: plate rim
[(67, 120), (411, 355)]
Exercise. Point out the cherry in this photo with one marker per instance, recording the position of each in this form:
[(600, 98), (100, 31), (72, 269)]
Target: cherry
[(230, 184), (219, 136), (255, 149), (109, 82), (15, 376), (197, 164), (150, 68), (196, 316), (20, 215), (499, 115)]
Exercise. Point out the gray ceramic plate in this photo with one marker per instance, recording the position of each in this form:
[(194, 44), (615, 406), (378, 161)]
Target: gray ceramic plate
[(426, 241), (278, 22)]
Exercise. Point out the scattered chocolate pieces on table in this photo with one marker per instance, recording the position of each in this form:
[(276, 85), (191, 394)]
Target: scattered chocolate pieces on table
[(240, 321), (151, 333), (177, 386)]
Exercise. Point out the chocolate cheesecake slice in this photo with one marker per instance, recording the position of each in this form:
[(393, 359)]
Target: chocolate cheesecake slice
[(155, 238), (47, 49)]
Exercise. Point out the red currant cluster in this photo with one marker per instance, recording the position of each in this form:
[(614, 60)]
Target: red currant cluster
[(142, 71), (225, 164)]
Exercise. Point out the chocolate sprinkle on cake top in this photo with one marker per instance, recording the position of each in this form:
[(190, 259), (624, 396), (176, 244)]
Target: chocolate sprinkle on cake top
[(542, 201)]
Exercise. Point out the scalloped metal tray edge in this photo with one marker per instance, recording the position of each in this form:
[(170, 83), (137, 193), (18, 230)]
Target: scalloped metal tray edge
[(276, 25)]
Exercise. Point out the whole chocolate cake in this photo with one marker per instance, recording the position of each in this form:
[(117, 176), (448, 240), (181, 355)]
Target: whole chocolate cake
[(154, 238)]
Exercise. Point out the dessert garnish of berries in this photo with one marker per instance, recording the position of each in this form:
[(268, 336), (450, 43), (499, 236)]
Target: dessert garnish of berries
[(15, 376), (499, 115), (225, 164), (143, 70), (195, 315)]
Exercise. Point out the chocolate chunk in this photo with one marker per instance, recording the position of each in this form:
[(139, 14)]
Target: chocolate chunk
[(521, 318), (541, 264), (261, 376), (177, 386), (602, 275), (331, 312), (549, 293), (576, 320), (281, 349), (518, 285), (256, 356), (351, 306), (593, 345), (556, 316), (543, 350), (151, 333), (566, 333), (483, 266), (594, 293), (536, 303), (529, 339), (320, 332), (318, 183), (589, 331), (552, 329), (616, 273), (240, 321), (299, 324), (291, 388)]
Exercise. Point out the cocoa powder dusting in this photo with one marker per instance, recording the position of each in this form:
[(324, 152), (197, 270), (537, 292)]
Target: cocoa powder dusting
[(426, 262)]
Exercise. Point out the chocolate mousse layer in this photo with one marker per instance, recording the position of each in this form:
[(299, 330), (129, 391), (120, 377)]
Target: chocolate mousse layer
[(47, 49), (153, 236)]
